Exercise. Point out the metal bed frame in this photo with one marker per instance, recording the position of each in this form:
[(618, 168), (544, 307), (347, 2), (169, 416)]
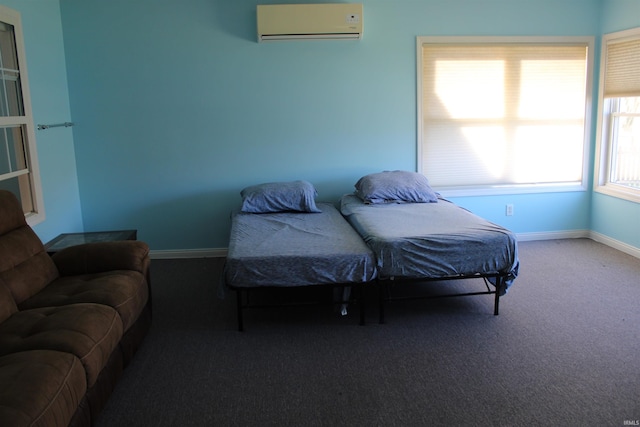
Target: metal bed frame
[(244, 303), (384, 296)]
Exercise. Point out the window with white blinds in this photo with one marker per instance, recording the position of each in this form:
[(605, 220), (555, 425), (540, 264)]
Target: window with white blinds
[(618, 151), (622, 69), (503, 114)]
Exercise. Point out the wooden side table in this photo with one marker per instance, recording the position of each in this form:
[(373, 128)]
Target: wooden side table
[(71, 239)]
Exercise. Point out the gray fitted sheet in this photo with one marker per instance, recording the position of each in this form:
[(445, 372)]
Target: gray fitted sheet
[(432, 240), (296, 249)]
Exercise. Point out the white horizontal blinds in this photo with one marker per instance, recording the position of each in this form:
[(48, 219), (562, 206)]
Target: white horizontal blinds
[(622, 73), (503, 114)]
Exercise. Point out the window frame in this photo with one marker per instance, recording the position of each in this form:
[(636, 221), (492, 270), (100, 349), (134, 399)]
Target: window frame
[(588, 41), (604, 143), (26, 122)]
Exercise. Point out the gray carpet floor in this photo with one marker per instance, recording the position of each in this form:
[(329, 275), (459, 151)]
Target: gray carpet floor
[(565, 350)]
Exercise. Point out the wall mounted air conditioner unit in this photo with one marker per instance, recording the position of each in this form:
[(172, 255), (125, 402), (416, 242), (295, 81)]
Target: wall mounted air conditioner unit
[(342, 21)]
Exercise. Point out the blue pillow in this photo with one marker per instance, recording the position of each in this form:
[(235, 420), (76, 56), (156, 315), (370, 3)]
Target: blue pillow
[(294, 196), (395, 187)]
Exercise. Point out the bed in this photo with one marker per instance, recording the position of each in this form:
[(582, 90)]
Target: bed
[(293, 244), (418, 236)]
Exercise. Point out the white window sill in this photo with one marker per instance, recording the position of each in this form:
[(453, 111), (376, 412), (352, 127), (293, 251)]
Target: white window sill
[(34, 218), (509, 189), (619, 192)]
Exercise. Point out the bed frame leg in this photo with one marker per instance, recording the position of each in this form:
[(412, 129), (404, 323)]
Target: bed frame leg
[(381, 296), (362, 304), (499, 287), (239, 310)]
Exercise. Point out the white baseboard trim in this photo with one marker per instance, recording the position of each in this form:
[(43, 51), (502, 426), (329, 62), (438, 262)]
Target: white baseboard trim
[(189, 253), (553, 235), (522, 237), (616, 244), (578, 234)]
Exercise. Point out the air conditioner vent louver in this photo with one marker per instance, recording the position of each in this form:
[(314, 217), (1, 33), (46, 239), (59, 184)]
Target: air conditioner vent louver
[(333, 21)]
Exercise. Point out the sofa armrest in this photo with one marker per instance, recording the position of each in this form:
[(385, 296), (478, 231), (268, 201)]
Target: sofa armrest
[(90, 258)]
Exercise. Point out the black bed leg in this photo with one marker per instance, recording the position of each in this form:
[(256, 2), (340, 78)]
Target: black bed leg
[(381, 297), (361, 300), (239, 310), (496, 303)]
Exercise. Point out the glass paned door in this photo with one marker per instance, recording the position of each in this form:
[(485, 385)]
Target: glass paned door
[(10, 90), (16, 161)]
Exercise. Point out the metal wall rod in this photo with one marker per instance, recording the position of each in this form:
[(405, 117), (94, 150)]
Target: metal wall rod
[(57, 125)]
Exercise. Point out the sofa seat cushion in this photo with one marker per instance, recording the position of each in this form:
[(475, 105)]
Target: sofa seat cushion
[(40, 388), (89, 331), (124, 290)]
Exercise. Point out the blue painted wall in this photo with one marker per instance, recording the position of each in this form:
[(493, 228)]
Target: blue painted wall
[(42, 28), (177, 108)]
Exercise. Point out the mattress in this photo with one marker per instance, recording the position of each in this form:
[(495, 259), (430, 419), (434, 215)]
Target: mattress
[(296, 249), (432, 240)]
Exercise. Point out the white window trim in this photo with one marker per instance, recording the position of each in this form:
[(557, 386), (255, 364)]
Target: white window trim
[(13, 17), (512, 189), (600, 184)]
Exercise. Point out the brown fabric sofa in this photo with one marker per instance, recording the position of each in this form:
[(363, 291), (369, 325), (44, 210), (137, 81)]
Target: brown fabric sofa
[(69, 323)]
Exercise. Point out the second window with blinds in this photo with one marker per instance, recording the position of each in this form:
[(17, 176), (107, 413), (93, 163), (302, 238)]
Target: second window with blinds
[(618, 144), (504, 115)]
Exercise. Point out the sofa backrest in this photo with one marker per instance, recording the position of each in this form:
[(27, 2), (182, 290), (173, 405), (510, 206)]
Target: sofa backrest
[(25, 267), (7, 304)]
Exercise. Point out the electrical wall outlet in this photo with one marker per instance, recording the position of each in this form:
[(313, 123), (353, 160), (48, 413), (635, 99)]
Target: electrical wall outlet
[(509, 210)]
